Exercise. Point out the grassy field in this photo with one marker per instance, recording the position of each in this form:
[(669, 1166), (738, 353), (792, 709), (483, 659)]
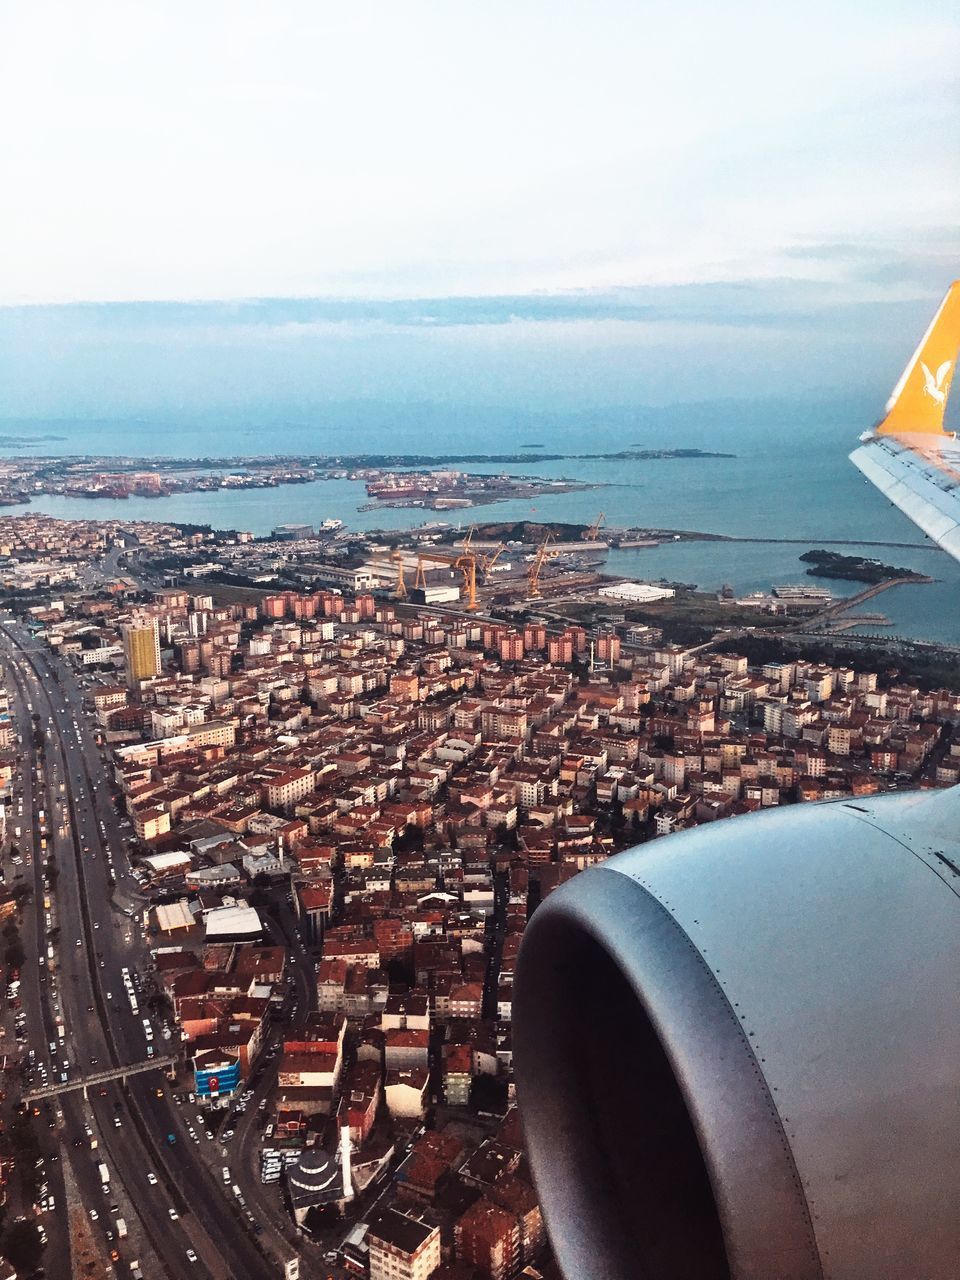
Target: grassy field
[(690, 617), (224, 594)]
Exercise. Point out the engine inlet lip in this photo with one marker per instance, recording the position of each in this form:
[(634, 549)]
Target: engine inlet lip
[(760, 1203)]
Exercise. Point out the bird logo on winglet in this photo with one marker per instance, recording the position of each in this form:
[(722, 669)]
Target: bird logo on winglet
[(933, 384)]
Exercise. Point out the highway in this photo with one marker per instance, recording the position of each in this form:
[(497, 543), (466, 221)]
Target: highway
[(38, 994), (97, 940)]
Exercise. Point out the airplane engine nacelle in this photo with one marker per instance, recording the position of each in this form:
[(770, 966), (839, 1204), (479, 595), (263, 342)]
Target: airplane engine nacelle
[(738, 1050)]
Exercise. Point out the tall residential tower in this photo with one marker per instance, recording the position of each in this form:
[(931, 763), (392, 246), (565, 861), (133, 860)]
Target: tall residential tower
[(141, 651)]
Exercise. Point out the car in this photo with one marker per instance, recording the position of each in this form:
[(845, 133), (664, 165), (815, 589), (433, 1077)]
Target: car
[(191, 1256), (173, 1215), (109, 997), (152, 1178), (228, 1135), (94, 1215), (117, 1122), (79, 942)]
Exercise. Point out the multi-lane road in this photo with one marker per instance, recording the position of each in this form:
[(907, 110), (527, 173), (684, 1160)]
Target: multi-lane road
[(182, 1216)]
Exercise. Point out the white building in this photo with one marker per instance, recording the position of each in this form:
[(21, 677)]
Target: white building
[(402, 1248), (636, 592)]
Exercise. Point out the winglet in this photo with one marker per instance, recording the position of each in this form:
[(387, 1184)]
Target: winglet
[(920, 397)]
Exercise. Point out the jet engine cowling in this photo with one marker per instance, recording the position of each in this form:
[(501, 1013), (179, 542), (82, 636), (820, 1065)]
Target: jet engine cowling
[(737, 1050)]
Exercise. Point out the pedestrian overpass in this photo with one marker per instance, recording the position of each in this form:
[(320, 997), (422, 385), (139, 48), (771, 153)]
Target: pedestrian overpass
[(97, 1078)]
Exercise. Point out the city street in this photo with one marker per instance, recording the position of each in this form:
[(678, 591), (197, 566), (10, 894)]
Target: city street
[(96, 941)]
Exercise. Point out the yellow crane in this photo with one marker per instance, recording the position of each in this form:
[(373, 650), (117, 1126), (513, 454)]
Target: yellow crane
[(538, 563), (486, 562), (590, 535), (400, 588), (485, 559)]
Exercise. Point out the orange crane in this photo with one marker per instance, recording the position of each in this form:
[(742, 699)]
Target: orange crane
[(466, 563), (538, 563), (400, 589), (590, 535), (485, 559), (487, 562)]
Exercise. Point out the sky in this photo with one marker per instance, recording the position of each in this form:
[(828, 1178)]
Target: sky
[(574, 200)]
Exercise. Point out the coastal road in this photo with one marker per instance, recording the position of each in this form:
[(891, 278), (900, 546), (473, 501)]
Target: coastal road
[(102, 1025)]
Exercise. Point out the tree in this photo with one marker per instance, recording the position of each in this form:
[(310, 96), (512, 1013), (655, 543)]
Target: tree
[(22, 1247), (14, 955)]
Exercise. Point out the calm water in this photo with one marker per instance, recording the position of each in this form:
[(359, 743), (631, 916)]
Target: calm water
[(790, 478)]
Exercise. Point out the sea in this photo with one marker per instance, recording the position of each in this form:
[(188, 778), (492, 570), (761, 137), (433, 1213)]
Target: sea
[(786, 487)]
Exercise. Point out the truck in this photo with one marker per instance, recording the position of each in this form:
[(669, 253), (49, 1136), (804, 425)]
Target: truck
[(121, 1229), (104, 1173)]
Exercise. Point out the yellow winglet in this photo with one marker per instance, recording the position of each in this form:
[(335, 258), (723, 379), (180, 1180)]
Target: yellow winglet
[(919, 399)]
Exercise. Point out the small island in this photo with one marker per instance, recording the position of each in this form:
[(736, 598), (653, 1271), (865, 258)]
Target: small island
[(830, 564)]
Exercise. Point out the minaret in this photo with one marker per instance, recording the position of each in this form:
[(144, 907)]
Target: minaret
[(345, 1161)]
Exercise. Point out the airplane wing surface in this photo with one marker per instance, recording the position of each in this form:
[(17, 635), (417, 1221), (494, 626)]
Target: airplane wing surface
[(909, 456), (922, 479)]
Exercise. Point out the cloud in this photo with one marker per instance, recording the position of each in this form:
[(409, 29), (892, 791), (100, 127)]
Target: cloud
[(875, 277)]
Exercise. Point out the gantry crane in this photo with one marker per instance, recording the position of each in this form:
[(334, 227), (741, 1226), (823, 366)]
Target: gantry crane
[(590, 535), (400, 589), (538, 562), (466, 563), (485, 559)]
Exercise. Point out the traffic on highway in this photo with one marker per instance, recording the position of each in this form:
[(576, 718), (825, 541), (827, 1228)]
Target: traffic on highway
[(80, 1001)]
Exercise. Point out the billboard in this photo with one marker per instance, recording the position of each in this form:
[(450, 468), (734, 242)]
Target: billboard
[(215, 1082)]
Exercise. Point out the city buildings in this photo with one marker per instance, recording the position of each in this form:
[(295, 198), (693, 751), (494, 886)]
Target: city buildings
[(402, 787)]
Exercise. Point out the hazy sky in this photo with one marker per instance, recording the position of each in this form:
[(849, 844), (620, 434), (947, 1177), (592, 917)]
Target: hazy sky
[(435, 147), (530, 201)]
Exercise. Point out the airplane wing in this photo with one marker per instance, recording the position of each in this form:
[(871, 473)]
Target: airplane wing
[(909, 456)]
